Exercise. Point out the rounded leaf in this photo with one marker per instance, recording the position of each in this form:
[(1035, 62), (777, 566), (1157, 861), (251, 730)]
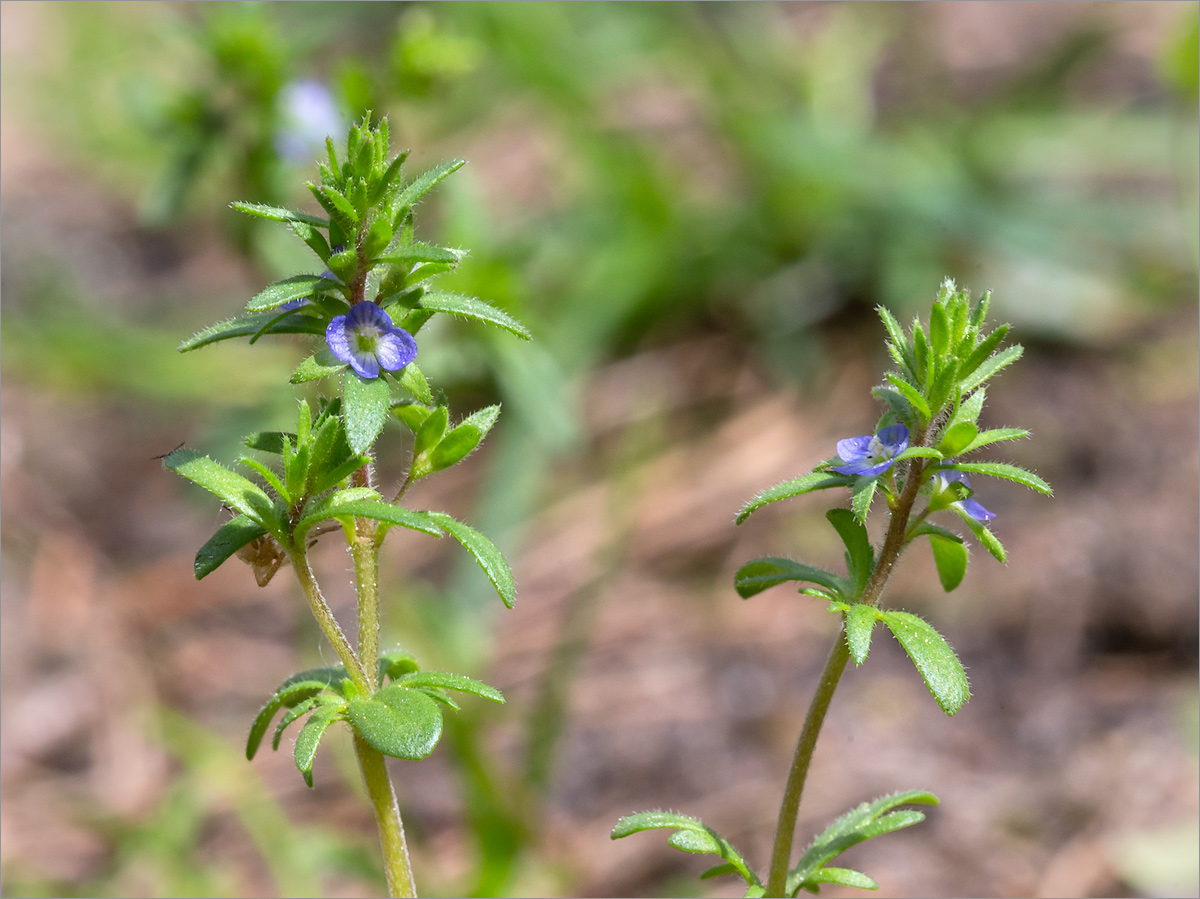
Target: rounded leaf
[(405, 724)]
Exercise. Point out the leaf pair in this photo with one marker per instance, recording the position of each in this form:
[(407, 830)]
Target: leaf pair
[(402, 719), (760, 574), (935, 661), (435, 446), (692, 835)]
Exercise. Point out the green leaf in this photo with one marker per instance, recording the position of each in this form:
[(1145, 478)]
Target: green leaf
[(315, 239), (969, 409), (268, 475), (939, 330), (860, 623), (405, 724), (957, 437), (898, 345), (924, 529), (378, 238), (918, 452), (983, 535), (993, 365), (296, 471), (935, 660), (293, 288), (278, 214), (861, 496), (982, 351), (310, 737), (421, 252), (364, 410), (395, 663), (950, 556), (411, 413), (472, 308), (817, 480), (1005, 471), (899, 406), (850, 829), (846, 877), (431, 430), (443, 680), (336, 506), (758, 575), (237, 492), (312, 369), (860, 558), (995, 435), (485, 553), (412, 380), (289, 694), (229, 538), (335, 204), (692, 835), (293, 714), (249, 325), (423, 184), (719, 871), (911, 394)]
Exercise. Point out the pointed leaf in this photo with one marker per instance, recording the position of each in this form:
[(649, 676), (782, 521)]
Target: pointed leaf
[(817, 480), (423, 184), (992, 366), (951, 559), (956, 438), (289, 694), (249, 325), (694, 841), (935, 660), (490, 559), (412, 380), (860, 623), (310, 737), (229, 538), (995, 435), (860, 558), (912, 394), (861, 495), (1006, 471), (405, 724), (421, 252), (341, 507), (313, 369), (431, 430), (472, 308), (444, 680), (293, 288), (758, 575), (983, 535), (364, 410), (237, 492), (278, 214), (846, 877), (719, 871)]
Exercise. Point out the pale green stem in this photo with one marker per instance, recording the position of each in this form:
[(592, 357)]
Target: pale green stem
[(366, 575), (893, 543), (387, 815), (325, 619)]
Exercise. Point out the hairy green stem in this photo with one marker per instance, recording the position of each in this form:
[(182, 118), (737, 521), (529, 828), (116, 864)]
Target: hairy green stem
[(789, 810), (325, 619), (366, 576), (387, 815)]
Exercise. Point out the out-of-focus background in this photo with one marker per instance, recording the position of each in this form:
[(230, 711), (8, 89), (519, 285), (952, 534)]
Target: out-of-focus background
[(695, 208)]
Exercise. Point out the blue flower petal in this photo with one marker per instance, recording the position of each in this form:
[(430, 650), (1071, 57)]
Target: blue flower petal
[(976, 511), (853, 448), (895, 438), (365, 364), (338, 339), (396, 349)]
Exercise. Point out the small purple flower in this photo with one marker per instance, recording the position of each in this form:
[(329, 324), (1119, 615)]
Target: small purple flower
[(871, 454), (968, 505), (366, 338)]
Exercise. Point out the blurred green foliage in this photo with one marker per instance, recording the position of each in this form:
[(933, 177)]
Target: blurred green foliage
[(640, 173)]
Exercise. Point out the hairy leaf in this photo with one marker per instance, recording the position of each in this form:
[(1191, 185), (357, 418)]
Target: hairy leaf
[(364, 410), (860, 623), (402, 723), (935, 660), (444, 680), (229, 538), (817, 480), (950, 556), (472, 308), (490, 559), (760, 574), (1005, 471), (310, 737)]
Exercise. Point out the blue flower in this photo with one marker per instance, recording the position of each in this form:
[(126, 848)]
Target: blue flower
[(968, 505), (871, 454), (366, 338)]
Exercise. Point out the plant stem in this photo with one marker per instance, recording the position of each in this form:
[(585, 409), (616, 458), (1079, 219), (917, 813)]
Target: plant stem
[(328, 623), (387, 815), (366, 576), (893, 544)]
